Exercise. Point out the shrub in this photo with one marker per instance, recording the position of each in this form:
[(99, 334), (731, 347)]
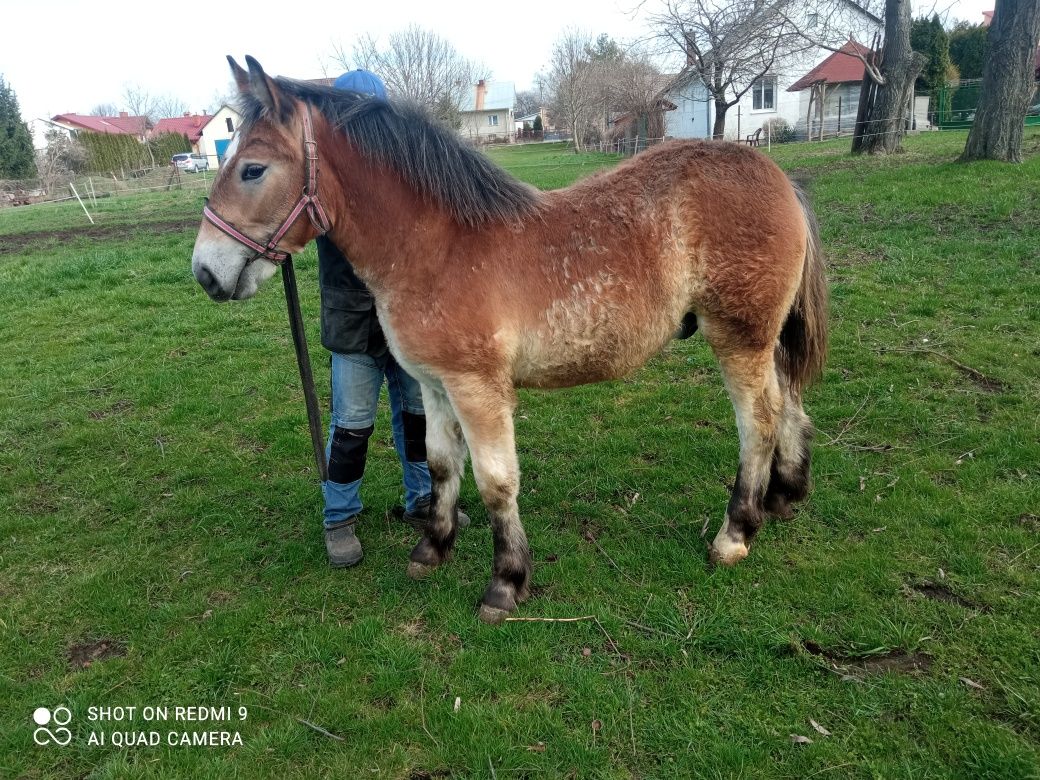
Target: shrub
[(779, 131)]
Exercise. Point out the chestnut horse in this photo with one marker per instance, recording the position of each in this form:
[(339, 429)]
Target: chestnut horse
[(483, 284)]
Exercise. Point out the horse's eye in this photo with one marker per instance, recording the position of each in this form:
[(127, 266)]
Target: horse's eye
[(253, 172)]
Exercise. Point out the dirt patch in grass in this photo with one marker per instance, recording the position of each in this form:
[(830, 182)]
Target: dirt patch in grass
[(938, 592), (11, 243), (856, 666), (428, 774), (84, 654), (119, 407)]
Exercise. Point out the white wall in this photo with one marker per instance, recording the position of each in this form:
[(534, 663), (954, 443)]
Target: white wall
[(475, 124), (39, 128), (216, 129)]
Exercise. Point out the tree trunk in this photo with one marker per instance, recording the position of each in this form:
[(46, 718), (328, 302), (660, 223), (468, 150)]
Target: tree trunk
[(885, 123), (718, 130), (1007, 83)]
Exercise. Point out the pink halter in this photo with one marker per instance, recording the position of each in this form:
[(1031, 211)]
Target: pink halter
[(308, 200)]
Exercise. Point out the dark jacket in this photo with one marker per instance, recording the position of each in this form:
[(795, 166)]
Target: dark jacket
[(348, 310)]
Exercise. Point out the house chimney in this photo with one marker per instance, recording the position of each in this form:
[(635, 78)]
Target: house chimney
[(123, 115), (481, 92)]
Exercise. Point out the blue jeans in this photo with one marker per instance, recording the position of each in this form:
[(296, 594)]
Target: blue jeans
[(356, 381)]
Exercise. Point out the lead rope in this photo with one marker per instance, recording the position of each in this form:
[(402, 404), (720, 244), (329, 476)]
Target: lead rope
[(303, 360)]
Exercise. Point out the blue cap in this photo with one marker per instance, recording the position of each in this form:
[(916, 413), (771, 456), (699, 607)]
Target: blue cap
[(364, 82)]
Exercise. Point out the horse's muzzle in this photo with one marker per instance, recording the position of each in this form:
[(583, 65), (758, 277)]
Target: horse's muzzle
[(210, 284)]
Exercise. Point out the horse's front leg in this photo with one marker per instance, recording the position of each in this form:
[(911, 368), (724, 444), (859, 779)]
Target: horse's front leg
[(486, 415), (446, 456)]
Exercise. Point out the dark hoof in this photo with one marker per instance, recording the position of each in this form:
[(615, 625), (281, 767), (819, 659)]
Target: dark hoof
[(419, 571), (779, 507), (493, 616)]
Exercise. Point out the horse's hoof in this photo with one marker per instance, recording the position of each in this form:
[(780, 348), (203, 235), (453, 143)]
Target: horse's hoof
[(419, 571), (493, 616), (727, 552)]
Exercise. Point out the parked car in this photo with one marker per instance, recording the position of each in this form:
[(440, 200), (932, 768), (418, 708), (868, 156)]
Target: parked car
[(192, 163)]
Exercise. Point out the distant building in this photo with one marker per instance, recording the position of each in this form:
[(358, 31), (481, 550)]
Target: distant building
[(768, 98), (124, 124), (208, 135), (487, 112)]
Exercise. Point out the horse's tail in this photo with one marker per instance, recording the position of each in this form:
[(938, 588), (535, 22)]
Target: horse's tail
[(803, 339)]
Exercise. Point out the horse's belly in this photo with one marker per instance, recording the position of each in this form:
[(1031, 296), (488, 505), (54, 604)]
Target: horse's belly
[(581, 346)]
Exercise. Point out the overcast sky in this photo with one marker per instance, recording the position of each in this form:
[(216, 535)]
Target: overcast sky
[(69, 55)]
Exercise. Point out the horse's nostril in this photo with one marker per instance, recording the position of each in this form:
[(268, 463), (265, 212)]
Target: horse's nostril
[(210, 284)]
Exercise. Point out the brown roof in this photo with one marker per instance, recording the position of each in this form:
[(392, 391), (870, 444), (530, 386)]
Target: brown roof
[(120, 125), (840, 68), (190, 126)]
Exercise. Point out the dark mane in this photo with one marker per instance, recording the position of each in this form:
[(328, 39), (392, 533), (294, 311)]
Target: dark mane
[(425, 153)]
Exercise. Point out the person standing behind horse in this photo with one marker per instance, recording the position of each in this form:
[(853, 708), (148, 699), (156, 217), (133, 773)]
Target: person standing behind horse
[(361, 361)]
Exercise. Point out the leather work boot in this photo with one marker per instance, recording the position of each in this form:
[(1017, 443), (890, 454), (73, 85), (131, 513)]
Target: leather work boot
[(342, 544), (418, 518)]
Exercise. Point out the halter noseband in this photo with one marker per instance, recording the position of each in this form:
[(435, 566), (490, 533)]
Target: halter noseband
[(308, 200)]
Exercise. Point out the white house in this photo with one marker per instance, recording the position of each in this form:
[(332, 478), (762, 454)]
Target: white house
[(487, 112), (40, 128), (217, 133), (768, 98)]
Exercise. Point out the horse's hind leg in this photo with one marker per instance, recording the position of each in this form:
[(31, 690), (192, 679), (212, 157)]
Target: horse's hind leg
[(446, 456), (486, 415), (753, 387), (789, 472)]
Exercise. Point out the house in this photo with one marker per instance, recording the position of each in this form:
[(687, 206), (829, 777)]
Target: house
[(216, 134), (835, 85), (208, 135), (40, 128), (124, 124), (190, 125), (487, 112), (767, 99)]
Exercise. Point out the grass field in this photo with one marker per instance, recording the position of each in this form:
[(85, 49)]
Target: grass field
[(160, 535)]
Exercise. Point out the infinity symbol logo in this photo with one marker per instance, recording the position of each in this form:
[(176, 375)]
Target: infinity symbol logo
[(61, 716)]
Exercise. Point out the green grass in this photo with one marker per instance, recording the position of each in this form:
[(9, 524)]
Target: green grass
[(156, 490)]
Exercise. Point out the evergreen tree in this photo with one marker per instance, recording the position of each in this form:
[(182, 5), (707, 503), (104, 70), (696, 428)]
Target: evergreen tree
[(16, 148), (968, 48), (928, 37)]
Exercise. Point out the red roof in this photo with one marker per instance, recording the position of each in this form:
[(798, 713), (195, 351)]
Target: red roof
[(839, 68), (190, 126), (120, 125)]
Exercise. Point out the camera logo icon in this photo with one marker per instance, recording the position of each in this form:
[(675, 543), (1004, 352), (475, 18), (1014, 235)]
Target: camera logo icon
[(60, 735)]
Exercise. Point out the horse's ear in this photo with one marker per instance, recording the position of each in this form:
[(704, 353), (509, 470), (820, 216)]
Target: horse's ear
[(267, 92), (241, 77)]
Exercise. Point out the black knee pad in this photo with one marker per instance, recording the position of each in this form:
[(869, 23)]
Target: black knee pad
[(414, 437), (349, 451)]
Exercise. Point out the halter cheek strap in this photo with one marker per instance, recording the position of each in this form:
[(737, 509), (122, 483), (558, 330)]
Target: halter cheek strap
[(308, 201)]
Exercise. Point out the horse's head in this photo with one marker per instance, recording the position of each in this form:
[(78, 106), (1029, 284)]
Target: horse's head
[(255, 215)]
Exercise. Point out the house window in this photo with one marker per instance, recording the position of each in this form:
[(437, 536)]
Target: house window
[(812, 20), (493, 120), (230, 125), (763, 94)]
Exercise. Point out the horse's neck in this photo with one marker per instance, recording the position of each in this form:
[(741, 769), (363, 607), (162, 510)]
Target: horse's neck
[(379, 222)]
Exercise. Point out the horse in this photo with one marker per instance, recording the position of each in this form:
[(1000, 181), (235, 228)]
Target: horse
[(483, 284)]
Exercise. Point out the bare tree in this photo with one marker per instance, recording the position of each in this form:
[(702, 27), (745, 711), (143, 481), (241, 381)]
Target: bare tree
[(1008, 82), (168, 105), (138, 101), (573, 84), (728, 44), (62, 158), (419, 65), (527, 102), (104, 109), (637, 93)]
